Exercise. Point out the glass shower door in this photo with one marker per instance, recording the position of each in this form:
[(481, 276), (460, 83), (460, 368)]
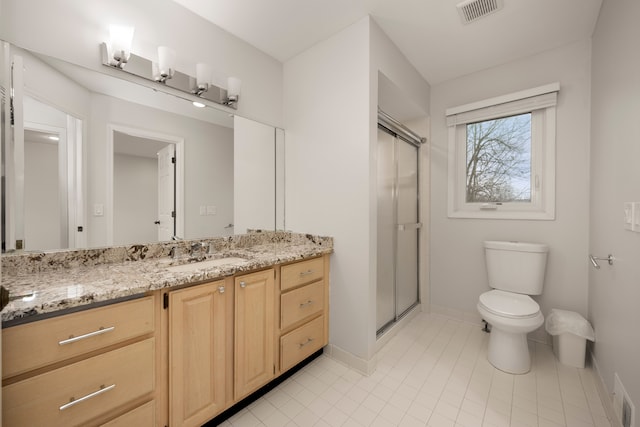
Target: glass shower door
[(398, 229), (407, 228), (385, 289)]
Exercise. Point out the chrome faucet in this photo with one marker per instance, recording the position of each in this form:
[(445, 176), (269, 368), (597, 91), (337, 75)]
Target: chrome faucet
[(199, 249), (175, 252)]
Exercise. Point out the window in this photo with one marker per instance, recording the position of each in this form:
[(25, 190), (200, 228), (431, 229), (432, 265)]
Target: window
[(502, 156)]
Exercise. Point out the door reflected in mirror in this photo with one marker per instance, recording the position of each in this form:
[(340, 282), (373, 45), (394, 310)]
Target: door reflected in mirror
[(144, 189)]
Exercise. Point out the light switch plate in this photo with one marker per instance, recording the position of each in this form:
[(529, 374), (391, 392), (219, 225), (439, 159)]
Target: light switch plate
[(203, 210), (211, 210), (98, 209), (628, 215)]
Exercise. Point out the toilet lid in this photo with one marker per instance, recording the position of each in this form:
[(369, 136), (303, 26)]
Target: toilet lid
[(509, 304)]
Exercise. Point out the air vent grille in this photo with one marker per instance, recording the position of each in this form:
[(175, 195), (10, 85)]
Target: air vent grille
[(471, 10)]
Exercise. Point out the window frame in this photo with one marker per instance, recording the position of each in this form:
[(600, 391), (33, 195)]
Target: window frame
[(541, 103)]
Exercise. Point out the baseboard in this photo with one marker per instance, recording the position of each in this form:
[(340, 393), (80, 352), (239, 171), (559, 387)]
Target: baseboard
[(603, 392), (461, 315), (540, 335), (365, 367)]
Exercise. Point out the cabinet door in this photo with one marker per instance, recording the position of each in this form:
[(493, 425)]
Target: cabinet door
[(254, 331), (197, 324)]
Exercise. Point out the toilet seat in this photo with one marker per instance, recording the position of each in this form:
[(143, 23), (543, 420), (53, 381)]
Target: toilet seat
[(509, 304)]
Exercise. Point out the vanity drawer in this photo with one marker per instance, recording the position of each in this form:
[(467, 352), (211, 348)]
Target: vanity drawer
[(302, 272), (142, 416), (301, 343), (41, 343), (97, 385), (301, 303)]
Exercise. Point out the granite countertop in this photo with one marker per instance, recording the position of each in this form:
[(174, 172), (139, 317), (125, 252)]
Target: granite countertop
[(43, 284)]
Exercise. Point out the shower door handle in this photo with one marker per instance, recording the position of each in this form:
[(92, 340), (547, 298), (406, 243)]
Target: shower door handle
[(410, 226)]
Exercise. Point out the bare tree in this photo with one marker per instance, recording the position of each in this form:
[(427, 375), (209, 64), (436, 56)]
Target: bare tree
[(498, 157)]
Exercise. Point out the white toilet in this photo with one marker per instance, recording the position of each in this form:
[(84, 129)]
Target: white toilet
[(515, 270)]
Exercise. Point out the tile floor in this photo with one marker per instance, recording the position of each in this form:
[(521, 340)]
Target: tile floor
[(434, 372)]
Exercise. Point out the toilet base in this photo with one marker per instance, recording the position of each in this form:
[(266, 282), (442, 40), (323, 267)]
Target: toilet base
[(509, 351)]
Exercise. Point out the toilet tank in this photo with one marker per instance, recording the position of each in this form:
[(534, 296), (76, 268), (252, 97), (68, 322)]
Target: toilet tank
[(516, 266)]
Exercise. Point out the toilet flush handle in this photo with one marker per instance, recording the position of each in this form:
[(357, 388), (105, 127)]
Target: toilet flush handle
[(594, 260)]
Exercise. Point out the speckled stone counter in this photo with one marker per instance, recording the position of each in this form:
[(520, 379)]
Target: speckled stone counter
[(44, 283)]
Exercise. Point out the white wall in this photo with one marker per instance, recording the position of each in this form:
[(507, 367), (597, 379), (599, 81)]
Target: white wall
[(458, 274), (73, 30), (614, 292), (327, 118), (135, 199), (330, 98)]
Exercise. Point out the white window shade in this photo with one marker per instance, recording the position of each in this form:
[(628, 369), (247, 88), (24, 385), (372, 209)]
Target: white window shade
[(512, 104)]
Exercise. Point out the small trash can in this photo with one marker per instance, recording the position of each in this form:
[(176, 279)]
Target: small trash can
[(570, 333)]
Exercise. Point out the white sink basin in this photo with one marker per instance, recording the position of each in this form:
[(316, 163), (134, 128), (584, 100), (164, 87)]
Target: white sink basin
[(210, 263)]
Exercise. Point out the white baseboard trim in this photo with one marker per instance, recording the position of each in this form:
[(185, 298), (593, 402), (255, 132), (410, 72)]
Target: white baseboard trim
[(452, 313), (368, 367), (539, 335), (365, 367), (604, 394)]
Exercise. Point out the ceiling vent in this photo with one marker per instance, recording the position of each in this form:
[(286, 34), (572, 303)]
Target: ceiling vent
[(472, 10)]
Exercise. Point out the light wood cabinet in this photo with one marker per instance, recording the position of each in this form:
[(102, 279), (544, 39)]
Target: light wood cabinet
[(175, 357), (199, 325), (304, 310), (254, 335), (92, 367)]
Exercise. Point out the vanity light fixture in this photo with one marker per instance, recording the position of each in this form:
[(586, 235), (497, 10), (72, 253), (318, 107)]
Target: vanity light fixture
[(117, 54), (234, 85), (203, 78), (166, 64), (119, 47)]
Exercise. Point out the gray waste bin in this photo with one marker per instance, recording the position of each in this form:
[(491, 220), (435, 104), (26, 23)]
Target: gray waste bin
[(570, 333)]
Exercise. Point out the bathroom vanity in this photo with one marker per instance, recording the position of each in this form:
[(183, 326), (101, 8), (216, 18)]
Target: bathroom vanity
[(152, 340)]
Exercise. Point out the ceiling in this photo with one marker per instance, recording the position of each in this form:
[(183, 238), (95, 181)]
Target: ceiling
[(428, 32)]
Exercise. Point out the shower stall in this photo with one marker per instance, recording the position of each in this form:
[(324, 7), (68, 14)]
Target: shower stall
[(398, 226)]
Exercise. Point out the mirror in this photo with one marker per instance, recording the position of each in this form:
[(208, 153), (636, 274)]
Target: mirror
[(99, 159)]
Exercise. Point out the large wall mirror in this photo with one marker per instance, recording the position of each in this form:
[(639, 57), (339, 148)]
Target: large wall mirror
[(92, 159)]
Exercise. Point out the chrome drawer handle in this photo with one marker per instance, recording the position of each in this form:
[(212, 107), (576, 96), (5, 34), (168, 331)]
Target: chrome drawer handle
[(304, 304), (73, 339), (221, 289), (306, 273), (304, 344), (73, 401), (243, 285)]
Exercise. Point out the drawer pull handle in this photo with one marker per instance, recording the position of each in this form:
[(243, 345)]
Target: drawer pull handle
[(304, 304), (306, 273), (221, 289), (73, 339), (73, 401), (243, 285), (307, 342)]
